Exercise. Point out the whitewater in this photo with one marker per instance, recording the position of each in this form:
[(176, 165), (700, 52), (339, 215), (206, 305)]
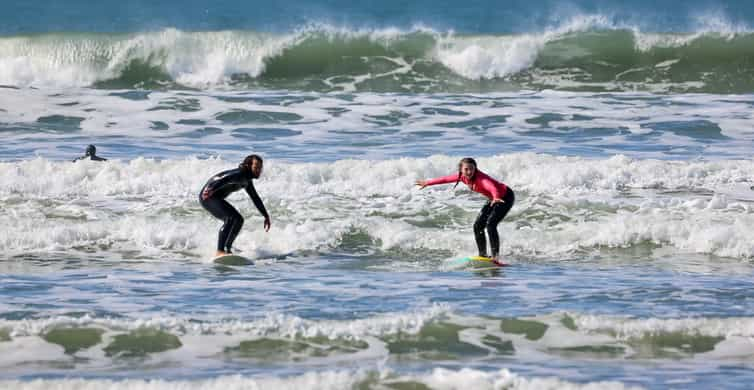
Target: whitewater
[(625, 131)]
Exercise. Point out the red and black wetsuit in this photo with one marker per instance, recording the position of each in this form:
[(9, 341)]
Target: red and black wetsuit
[(491, 214)]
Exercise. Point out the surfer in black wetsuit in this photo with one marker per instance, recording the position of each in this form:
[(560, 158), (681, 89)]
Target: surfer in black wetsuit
[(213, 194), (91, 154)]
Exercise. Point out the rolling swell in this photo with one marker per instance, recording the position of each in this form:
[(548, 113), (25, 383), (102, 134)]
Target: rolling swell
[(326, 59)]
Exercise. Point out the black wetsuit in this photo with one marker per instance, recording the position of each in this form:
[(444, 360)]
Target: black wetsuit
[(212, 197), (90, 157), (488, 218)]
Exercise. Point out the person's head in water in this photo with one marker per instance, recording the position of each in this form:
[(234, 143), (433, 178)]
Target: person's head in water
[(90, 154), (254, 164), (466, 168)]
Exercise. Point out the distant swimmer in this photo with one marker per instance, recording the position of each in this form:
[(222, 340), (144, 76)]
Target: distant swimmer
[(500, 201), (91, 154), (213, 194)]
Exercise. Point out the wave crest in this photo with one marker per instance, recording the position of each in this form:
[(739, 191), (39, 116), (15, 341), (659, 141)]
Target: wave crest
[(586, 52)]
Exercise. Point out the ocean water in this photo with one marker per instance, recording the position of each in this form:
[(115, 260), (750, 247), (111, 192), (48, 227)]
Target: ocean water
[(625, 130)]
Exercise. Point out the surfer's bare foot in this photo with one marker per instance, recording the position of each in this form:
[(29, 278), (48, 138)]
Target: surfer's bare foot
[(221, 253)]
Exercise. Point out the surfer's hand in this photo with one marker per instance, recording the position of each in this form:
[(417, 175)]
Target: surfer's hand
[(421, 183), (267, 224), (496, 201)]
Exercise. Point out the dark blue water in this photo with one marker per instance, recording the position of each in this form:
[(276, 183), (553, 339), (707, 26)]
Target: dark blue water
[(462, 16)]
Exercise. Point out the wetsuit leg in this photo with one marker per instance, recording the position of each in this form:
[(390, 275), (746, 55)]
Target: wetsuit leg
[(479, 225), (232, 221), (235, 228), (498, 212)]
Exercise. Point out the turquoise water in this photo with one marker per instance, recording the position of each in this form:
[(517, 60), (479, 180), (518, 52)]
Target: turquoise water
[(625, 131)]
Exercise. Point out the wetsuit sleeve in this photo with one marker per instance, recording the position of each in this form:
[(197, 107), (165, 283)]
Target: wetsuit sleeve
[(257, 200), (443, 180)]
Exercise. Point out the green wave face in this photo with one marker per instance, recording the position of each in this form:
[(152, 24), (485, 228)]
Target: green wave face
[(378, 61)]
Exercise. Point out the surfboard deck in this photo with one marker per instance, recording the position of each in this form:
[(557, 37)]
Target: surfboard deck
[(232, 260), (477, 261)]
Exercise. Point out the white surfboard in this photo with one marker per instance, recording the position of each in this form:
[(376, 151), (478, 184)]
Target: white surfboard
[(232, 260)]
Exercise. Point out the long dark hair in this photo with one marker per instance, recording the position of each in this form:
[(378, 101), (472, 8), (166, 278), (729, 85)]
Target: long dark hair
[(465, 160), (245, 165)]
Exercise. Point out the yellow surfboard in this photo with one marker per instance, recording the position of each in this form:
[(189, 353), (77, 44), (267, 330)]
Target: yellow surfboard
[(475, 261)]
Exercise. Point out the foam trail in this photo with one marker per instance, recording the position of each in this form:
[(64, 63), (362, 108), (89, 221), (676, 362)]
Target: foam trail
[(272, 324), (439, 378)]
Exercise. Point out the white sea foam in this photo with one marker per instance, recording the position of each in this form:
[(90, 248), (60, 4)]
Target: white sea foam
[(490, 57), (439, 378), (203, 340), (496, 56), (193, 58), (564, 204), (278, 325), (504, 379), (198, 59), (626, 327), (321, 380)]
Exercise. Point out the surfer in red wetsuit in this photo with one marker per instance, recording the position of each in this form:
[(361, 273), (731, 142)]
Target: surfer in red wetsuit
[(500, 200), (213, 194)]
